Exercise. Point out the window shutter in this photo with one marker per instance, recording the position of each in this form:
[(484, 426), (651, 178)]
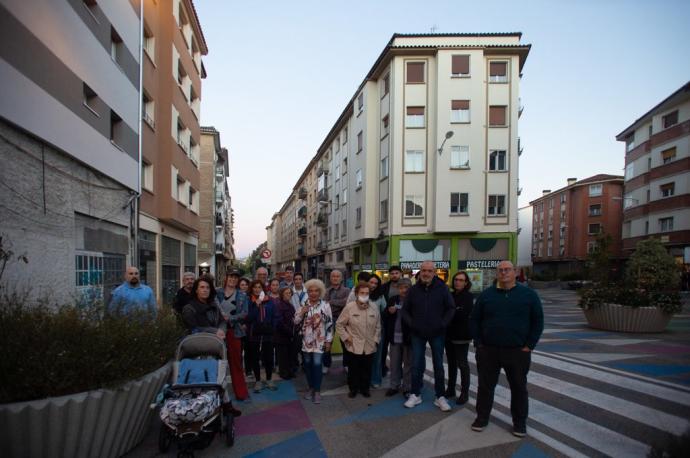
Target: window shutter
[(415, 111), (497, 69), (461, 65), (415, 72), (460, 104), (497, 116)]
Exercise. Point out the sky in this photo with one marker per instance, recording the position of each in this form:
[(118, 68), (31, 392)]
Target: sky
[(281, 72)]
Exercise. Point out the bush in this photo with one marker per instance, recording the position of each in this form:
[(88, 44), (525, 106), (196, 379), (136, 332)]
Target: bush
[(54, 351), (667, 301), (652, 268)]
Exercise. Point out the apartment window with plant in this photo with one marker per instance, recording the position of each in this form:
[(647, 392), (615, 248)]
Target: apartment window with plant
[(358, 178), (668, 155), (593, 228), (670, 119), (414, 206), (460, 65), (459, 203), (90, 99), (385, 130), (460, 111), (360, 142), (414, 73), (497, 115), (595, 190), (668, 189), (415, 117), (414, 161), (383, 211), (497, 161), (666, 224), (595, 210), (358, 216), (497, 205), (384, 168), (498, 72), (459, 157)]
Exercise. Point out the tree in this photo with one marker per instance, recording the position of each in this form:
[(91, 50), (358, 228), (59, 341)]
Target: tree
[(598, 265), (652, 268)]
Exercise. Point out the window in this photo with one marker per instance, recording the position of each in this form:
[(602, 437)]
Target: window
[(90, 99), (384, 126), (116, 46), (336, 231), (386, 85), (460, 65), (595, 210), (670, 119), (646, 227), (666, 224), (629, 171), (414, 161), (414, 206), (591, 247), (497, 115), (497, 160), (191, 196), (459, 111), (148, 111), (595, 190), (649, 163), (358, 179), (668, 155), (358, 216), (360, 102), (629, 201), (336, 202), (415, 72), (498, 72), (345, 136), (344, 165), (550, 236), (594, 228), (115, 128), (668, 189), (146, 175), (149, 43), (344, 201), (459, 203), (549, 250), (630, 142), (551, 202), (563, 198), (459, 157), (383, 211), (384, 167), (337, 172), (415, 117), (181, 184), (344, 233), (360, 142), (497, 205)]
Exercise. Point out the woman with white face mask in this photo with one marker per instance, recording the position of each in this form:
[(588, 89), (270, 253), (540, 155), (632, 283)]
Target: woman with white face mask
[(359, 326)]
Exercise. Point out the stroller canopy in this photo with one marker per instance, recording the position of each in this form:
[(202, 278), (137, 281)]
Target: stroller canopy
[(201, 344)]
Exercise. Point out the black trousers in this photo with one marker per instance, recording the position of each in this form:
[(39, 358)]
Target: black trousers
[(261, 354), (284, 353), (246, 355), (456, 355), (295, 351), (359, 372), (515, 363)]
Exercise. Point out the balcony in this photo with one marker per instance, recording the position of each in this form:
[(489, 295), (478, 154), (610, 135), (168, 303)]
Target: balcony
[(220, 248), (322, 196), (300, 251), (519, 147), (322, 219), (302, 212), (219, 197), (219, 219), (302, 232), (519, 191), (321, 245), (302, 193)]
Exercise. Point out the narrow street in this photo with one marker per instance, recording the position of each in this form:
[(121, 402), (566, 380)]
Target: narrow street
[(592, 393)]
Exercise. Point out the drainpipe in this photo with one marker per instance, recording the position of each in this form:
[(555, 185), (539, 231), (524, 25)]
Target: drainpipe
[(135, 229)]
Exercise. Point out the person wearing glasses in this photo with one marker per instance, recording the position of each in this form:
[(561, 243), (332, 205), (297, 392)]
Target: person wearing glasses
[(506, 323)]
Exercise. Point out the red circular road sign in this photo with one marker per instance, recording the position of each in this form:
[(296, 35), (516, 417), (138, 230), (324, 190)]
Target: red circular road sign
[(266, 254)]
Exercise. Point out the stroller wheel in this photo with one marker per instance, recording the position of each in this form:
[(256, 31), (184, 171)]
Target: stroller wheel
[(165, 437), (229, 430)]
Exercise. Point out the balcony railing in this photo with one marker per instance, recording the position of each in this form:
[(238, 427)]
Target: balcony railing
[(322, 219), (302, 232), (321, 246), (220, 248), (302, 193), (302, 212), (519, 147), (219, 196), (323, 195)]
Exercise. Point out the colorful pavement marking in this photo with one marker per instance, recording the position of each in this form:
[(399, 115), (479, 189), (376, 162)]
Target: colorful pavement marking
[(655, 370), (617, 342), (305, 445), (528, 450), (285, 392), (603, 357), (389, 408), (284, 417)]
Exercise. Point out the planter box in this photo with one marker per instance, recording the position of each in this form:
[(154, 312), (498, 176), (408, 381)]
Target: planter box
[(102, 423), (615, 317)]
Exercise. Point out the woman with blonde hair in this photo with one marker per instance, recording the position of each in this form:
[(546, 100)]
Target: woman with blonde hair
[(315, 321)]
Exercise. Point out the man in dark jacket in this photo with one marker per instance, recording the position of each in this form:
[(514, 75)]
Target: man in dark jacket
[(428, 311), (184, 295), (506, 323), (398, 336)]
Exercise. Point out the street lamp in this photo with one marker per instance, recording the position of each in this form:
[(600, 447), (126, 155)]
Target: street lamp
[(448, 135)]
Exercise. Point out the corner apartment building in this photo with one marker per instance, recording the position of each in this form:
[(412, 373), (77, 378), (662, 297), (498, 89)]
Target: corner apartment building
[(215, 207), (657, 176), (169, 206), (567, 222), (422, 163), (69, 123)]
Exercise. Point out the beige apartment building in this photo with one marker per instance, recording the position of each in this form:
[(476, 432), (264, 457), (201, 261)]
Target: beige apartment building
[(656, 202), (170, 199), (421, 164)]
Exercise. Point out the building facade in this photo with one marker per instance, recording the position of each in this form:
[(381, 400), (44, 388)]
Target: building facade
[(69, 123), (215, 207), (566, 223), (657, 176), (524, 258), (421, 164), (169, 206)]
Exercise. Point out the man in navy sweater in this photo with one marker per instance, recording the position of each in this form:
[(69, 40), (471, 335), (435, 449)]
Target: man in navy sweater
[(506, 323)]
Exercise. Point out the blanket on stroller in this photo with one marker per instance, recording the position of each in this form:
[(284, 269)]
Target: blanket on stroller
[(189, 407)]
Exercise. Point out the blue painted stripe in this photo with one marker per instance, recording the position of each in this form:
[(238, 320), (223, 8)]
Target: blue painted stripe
[(527, 450), (305, 445)]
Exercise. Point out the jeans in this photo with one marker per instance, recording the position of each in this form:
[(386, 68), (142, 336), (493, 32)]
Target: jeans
[(401, 362), (377, 366), (419, 363), (359, 372), (515, 363), (456, 355), (312, 367)]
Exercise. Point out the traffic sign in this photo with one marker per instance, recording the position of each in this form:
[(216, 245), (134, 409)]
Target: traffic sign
[(266, 254)]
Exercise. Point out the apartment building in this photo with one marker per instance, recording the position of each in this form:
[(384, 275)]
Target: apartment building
[(69, 123), (215, 207), (170, 200), (657, 176), (567, 222), (421, 164), (524, 258)]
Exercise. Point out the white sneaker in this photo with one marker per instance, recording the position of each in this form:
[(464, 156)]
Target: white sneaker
[(413, 400), (324, 370), (442, 404)]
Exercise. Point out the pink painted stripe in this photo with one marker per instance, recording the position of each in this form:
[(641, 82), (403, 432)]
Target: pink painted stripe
[(285, 417)]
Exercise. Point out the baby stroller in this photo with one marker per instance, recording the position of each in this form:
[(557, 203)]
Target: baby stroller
[(193, 409)]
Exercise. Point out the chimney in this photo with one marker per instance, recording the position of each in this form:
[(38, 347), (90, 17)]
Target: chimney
[(571, 181), (545, 192)]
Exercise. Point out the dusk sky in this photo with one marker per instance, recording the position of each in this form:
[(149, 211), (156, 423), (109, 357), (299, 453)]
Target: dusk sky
[(280, 73)]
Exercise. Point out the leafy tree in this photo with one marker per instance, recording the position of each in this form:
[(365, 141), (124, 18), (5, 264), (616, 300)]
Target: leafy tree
[(652, 268), (598, 264)]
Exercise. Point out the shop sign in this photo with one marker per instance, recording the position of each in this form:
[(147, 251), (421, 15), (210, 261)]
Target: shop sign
[(381, 266), (415, 265), (365, 267), (356, 267), (479, 264)]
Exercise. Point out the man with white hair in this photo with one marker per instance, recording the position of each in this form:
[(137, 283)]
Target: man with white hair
[(184, 295), (262, 274)]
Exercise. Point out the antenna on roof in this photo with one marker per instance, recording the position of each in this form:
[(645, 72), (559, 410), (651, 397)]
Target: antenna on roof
[(433, 29)]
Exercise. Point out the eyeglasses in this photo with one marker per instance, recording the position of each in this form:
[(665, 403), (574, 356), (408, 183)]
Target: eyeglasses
[(506, 269)]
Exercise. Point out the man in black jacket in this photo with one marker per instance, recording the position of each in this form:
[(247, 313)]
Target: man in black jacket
[(428, 311)]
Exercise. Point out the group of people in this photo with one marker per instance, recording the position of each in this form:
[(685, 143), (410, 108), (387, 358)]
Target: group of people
[(382, 328)]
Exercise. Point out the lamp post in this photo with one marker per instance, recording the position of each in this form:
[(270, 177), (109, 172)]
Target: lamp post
[(449, 134)]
